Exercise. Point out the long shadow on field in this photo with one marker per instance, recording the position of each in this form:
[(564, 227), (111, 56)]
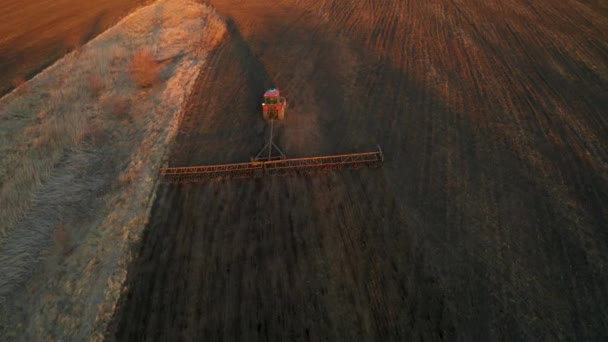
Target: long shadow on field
[(320, 257), (452, 238), (226, 99), (471, 194), (256, 75)]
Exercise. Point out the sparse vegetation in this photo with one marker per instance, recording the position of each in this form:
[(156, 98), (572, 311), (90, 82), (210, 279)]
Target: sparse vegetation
[(144, 69), (116, 107), (62, 240), (96, 135), (80, 146), (96, 85)]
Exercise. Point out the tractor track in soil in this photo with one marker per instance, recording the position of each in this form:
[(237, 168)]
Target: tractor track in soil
[(485, 222)]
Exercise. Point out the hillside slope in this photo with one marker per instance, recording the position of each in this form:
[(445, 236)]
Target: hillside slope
[(80, 148)]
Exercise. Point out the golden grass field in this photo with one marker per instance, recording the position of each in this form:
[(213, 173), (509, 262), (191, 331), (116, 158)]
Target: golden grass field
[(80, 148)]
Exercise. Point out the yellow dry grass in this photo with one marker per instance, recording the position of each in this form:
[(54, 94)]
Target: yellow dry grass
[(144, 69), (80, 147)]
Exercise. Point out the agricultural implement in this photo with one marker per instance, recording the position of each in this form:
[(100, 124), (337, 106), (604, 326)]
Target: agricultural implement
[(271, 160)]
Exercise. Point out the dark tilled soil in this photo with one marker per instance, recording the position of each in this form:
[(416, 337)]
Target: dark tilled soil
[(35, 33), (487, 221)]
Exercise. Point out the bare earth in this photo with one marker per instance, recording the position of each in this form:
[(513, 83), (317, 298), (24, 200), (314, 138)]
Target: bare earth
[(35, 33), (487, 222)]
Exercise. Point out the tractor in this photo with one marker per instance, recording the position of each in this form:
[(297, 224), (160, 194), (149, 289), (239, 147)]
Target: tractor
[(274, 105), (271, 160)]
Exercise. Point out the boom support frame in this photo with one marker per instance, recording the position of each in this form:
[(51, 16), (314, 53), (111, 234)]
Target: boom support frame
[(254, 168), (272, 161)]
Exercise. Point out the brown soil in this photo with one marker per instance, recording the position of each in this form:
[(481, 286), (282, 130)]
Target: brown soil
[(487, 221), (35, 33)]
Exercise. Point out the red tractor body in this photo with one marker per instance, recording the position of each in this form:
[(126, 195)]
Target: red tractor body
[(274, 105)]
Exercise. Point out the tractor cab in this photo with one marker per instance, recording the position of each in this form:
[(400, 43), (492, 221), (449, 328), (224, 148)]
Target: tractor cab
[(274, 105)]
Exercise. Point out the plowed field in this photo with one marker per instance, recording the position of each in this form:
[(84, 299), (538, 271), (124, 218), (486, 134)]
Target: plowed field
[(35, 33), (487, 221)]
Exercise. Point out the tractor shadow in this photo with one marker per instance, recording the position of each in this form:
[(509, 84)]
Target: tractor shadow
[(258, 79), (226, 99)]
